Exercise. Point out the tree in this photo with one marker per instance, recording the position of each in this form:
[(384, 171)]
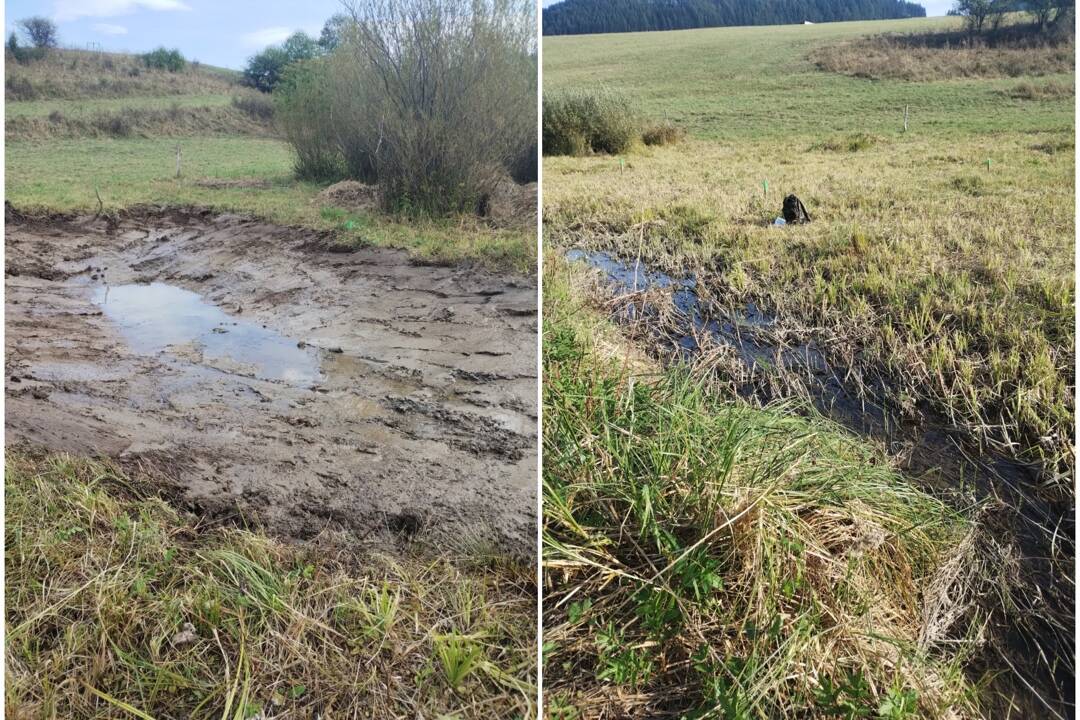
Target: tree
[(263, 70), (300, 46), (333, 32), (976, 12), (1048, 12), (41, 31)]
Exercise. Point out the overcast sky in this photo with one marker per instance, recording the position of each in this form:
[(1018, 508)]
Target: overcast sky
[(217, 32)]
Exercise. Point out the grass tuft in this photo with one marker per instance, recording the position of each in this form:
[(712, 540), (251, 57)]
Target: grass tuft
[(704, 558), (117, 602)]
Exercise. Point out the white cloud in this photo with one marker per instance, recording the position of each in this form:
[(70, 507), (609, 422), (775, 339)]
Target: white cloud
[(109, 29), (75, 9), (266, 36)]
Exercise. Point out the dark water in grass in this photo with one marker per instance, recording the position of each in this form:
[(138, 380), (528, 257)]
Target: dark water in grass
[(156, 316), (1039, 524)]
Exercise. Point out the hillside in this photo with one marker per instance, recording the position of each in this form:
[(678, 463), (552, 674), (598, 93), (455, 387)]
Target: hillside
[(579, 17)]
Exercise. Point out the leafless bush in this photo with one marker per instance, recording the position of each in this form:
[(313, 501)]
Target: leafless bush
[(431, 99), (256, 105), (662, 133)]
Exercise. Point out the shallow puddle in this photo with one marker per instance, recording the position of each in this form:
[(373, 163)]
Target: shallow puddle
[(157, 316)]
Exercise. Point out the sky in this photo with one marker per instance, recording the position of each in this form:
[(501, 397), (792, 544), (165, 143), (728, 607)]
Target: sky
[(217, 32)]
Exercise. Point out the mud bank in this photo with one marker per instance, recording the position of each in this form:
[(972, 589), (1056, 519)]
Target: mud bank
[(269, 377), (1030, 633)]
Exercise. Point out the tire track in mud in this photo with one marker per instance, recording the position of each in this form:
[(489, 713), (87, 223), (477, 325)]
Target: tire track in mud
[(421, 421)]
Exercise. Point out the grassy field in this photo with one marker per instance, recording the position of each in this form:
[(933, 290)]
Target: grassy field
[(705, 558), (939, 261), (94, 127), (81, 108), (118, 605), (749, 84), (940, 257)]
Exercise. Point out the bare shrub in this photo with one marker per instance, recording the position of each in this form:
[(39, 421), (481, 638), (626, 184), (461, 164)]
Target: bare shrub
[(431, 99), (1034, 91), (255, 105), (20, 88), (41, 31), (663, 133), (581, 121), (119, 125), (848, 143), (304, 107)]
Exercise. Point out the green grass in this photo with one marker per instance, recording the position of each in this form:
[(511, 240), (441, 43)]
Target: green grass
[(139, 171), (753, 83), (703, 558), (55, 166), (948, 276), (120, 606)]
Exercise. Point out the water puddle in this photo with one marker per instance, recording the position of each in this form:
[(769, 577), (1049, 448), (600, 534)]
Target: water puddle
[(935, 454), (156, 317)]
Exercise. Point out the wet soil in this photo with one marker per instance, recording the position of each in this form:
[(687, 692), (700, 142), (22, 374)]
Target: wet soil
[(1032, 641), (270, 378)]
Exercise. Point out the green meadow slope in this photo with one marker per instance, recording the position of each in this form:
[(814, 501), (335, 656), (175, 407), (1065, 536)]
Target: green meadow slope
[(941, 256)]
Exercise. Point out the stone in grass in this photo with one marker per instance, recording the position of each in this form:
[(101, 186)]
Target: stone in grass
[(186, 636)]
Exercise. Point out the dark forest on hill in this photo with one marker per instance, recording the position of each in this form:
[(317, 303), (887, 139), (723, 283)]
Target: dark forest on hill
[(575, 17)]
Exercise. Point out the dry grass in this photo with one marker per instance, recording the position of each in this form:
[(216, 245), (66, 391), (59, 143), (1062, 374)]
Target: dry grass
[(78, 74), (118, 605), (1040, 91), (949, 280), (175, 121), (944, 56)]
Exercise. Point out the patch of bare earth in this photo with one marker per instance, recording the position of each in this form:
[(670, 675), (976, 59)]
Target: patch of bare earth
[(420, 421)]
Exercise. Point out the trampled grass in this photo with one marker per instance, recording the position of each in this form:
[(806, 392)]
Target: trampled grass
[(941, 257), (118, 605), (703, 558)]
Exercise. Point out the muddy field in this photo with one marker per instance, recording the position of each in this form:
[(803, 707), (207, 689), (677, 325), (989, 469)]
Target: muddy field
[(267, 376)]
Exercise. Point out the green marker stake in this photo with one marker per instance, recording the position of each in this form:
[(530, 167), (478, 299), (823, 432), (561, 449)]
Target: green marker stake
[(765, 187), (987, 164), (622, 164)]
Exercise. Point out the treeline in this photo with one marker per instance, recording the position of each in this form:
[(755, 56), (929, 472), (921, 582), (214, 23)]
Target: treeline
[(574, 17)]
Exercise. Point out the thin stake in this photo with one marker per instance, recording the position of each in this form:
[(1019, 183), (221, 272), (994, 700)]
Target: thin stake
[(177, 160), (906, 108)]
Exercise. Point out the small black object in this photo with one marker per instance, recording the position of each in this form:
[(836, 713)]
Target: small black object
[(794, 211)]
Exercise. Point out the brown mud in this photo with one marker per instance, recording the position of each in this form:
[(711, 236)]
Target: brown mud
[(272, 378)]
